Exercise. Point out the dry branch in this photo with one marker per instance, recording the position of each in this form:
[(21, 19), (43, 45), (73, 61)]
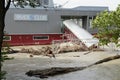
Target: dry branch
[(58, 70)]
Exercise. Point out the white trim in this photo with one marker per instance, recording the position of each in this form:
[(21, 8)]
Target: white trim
[(7, 40)]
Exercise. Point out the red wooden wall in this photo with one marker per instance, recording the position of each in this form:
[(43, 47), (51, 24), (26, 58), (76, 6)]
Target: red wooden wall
[(17, 40)]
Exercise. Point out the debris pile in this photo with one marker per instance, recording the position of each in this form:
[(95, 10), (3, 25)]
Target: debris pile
[(69, 47), (56, 49), (9, 50), (50, 51), (46, 51)]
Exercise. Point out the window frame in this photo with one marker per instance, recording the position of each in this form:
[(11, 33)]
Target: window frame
[(6, 39), (91, 18), (41, 37)]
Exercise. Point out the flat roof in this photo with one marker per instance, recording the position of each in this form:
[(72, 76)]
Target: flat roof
[(91, 8)]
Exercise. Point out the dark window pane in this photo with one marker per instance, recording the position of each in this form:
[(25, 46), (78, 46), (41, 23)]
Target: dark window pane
[(7, 38), (41, 37)]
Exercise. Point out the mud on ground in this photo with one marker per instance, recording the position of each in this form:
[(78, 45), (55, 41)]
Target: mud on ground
[(22, 63)]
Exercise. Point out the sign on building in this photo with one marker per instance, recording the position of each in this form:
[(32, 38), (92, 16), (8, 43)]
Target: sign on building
[(30, 17)]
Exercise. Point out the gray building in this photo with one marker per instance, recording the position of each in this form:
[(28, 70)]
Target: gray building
[(43, 24)]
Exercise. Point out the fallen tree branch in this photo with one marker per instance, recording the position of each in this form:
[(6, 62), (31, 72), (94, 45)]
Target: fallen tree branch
[(59, 70), (52, 71), (107, 59)]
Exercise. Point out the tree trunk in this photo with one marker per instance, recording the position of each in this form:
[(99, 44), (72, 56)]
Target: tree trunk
[(3, 10), (2, 25)]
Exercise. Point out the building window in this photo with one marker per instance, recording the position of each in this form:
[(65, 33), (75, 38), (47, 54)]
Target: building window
[(6, 38), (46, 2), (90, 22), (40, 37)]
